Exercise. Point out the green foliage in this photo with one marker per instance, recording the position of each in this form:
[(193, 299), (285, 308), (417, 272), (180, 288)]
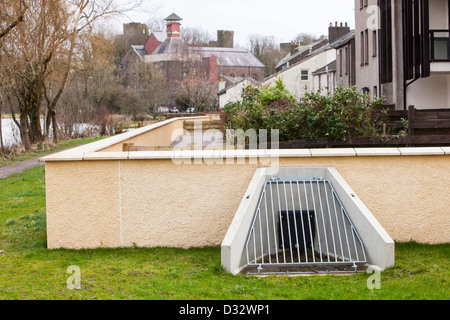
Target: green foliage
[(340, 115)]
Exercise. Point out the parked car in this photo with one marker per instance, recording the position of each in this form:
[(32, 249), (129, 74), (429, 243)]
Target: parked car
[(190, 110), (174, 110)]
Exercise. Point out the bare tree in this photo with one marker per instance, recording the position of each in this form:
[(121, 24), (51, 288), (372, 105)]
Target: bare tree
[(39, 55), (152, 86), (267, 50), (198, 92), (304, 38), (12, 15), (196, 36)]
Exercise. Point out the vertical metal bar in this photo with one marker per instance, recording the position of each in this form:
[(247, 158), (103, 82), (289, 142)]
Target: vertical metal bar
[(329, 218), (309, 223), (281, 223), (315, 216), (246, 247), (274, 227), (352, 229), (346, 234), (362, 246), (337, 220), (261, 235), (288, 221), (254, 245), (303, 223), (354, 242), (323, 222), (295, 223), (267, 223)]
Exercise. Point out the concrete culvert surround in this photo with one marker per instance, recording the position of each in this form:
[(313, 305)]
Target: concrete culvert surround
[(335, 232)]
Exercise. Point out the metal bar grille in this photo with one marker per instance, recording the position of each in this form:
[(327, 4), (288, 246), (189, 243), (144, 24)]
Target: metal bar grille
[(302, 222)]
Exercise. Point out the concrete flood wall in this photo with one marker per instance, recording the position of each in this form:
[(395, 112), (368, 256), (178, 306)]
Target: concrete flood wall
[(98, 196)]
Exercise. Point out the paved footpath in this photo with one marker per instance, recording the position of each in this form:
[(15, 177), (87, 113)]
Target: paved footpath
[(19, 167)]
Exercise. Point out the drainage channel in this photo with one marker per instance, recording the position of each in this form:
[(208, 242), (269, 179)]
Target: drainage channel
[(301, 226)]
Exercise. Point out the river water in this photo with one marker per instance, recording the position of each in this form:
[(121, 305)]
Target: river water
[(11, 133)]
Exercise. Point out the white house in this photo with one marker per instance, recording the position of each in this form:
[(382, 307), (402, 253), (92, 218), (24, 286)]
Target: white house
[(230, 89)]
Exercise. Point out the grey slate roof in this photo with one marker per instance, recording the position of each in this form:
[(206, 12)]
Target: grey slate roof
[(302, 50), (173, 16), (172, 45), (230, 57), (139, 50), (226, 57), (343, 40), (331, 67)]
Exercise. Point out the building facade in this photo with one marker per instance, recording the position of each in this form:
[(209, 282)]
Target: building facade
[(345, 57), (311, 67), (403, 51)]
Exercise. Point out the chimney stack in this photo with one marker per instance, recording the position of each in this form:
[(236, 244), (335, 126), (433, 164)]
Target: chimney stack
[(337, 31)]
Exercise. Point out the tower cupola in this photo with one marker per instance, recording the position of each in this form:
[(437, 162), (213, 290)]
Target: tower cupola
[(173, 26)]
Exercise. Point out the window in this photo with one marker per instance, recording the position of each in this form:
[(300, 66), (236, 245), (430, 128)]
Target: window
[(340, 63), (347, 62), (304, 75), (374, 43), (362, 4), (362, 48), (386, 41), (366, 49)]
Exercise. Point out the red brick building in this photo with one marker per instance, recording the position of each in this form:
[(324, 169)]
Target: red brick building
[(177, 60)]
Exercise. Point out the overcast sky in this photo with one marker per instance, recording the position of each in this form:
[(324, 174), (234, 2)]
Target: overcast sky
[(283, 19)]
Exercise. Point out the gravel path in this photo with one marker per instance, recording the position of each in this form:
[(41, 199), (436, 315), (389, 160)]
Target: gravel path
[(19, 167)]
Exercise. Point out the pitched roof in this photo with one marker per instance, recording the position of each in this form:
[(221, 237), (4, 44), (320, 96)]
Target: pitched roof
[(171, 45), (339, 42), (301, 52), (139, 50), (174, 17), (230, 57), (331, 67)]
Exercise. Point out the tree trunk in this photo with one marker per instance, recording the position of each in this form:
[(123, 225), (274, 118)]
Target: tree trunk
[(2, 147), (35, 130), (55, 131), (24, 131)]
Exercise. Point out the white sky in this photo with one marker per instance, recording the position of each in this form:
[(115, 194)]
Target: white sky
[(283, 19)]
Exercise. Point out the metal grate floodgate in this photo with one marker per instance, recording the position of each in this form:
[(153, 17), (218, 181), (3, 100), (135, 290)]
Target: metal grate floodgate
[(300, 222)]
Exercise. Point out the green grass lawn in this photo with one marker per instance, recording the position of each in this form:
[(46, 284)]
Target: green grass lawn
[(30, 271)]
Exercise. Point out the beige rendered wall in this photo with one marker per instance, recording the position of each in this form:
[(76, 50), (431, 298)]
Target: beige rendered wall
[(159, 203), (161, 136)]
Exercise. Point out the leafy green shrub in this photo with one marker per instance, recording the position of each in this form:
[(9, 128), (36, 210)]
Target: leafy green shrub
[(340, 115)]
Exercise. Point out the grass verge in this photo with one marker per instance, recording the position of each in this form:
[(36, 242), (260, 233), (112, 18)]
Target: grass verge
[(30, 271), (42, 150)]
